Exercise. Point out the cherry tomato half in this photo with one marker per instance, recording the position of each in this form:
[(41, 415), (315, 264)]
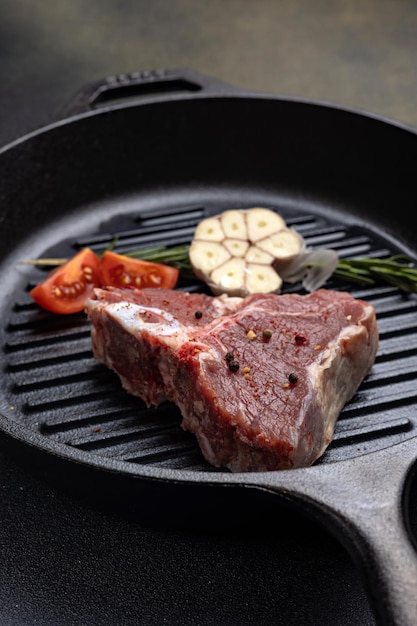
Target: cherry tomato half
[(66, 288), (117, 270)]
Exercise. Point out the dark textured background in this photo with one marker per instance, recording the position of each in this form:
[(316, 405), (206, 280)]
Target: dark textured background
[(358, 53), (62, 560)]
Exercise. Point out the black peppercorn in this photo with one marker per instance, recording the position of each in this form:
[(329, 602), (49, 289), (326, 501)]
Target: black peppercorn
[(293, 378), (300, 339), (233, 366), (198, 315)]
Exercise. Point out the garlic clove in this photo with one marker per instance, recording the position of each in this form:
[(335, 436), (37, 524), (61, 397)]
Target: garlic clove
[(233, 224), (236, 247), (262, 279), (262, 223), (256, 255), (230, 277), (283, 246), (207, 255), (209, 229)]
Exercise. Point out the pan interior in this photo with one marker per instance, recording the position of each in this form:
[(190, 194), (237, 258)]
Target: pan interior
[(56, 392)]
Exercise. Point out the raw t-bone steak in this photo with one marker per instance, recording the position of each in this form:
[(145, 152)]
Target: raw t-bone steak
[(259, 380)]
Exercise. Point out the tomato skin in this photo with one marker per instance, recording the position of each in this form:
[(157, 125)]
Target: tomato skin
[(117, 270), (66, 288)]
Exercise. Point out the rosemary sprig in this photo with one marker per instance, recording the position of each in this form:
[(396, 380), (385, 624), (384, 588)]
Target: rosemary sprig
[(399, 271)]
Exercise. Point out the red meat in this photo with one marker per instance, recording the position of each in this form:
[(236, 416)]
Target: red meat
[(259, 380)]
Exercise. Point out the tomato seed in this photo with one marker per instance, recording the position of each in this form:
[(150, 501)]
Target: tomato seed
[(88, 273)]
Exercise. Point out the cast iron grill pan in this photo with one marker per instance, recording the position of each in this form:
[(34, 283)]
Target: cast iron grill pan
[(146, 174), (56, 388)]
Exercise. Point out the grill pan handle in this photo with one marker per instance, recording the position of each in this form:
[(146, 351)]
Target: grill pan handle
[(149, 85), (364, 502)]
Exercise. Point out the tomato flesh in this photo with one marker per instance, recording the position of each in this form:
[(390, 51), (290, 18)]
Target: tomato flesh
[(67, 288), (117, 270)]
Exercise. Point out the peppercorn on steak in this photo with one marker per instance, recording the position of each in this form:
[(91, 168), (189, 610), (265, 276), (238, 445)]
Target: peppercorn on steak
[(259, 380)]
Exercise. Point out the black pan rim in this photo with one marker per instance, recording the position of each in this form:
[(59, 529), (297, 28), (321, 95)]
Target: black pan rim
[(223, 95)]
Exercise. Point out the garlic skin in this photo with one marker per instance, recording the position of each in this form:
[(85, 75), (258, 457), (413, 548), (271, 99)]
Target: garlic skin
[(312, 267), (244, 251)]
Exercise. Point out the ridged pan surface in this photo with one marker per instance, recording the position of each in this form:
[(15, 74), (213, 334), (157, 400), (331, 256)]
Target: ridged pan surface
[(52, 386)]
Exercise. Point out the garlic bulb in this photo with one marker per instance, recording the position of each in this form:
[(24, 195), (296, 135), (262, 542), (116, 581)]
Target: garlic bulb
[(244, 251)]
